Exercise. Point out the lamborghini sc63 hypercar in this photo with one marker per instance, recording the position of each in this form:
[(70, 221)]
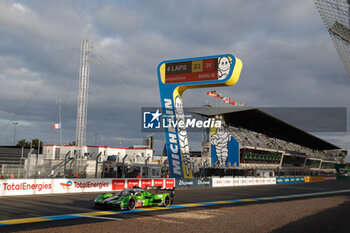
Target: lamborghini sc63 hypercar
[(130, 198)]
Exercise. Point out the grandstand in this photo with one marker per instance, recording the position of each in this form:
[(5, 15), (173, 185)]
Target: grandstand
[(273, 145), (12, 157)]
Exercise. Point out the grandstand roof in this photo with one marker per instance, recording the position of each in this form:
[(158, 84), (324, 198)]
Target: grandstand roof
[(259, 121)]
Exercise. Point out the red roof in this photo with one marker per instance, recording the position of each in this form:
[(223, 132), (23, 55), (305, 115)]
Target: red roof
[(122, 148)]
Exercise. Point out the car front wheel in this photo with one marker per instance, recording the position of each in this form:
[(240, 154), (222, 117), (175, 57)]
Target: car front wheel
[(167, 201), (131, 203)]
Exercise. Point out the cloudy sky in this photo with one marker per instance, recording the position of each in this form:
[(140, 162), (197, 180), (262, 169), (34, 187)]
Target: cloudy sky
[(288, 61)]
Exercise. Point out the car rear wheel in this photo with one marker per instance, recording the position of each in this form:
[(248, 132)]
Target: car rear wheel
[(167, 201), (171, 199), (131, 203)]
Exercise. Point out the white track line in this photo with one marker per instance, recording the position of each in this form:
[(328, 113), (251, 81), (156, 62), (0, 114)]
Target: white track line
[(107, 218)]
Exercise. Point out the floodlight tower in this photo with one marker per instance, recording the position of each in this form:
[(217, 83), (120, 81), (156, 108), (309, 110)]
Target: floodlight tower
[(336, 16), (84, 71)]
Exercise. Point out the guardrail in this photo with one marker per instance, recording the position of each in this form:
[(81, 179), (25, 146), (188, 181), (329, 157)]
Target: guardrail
[(56, 186)]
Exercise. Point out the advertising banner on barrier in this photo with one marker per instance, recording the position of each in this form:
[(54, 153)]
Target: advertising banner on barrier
[(119, 184), (242, 181), (283, 180), (257, 181), (133, 182), (169, 183), (52, 186), (250, 181), (222, 182), (236, 181), (193, 183), (81, 185), (290, 179), (22, 186), (330, 178), (146, 182)]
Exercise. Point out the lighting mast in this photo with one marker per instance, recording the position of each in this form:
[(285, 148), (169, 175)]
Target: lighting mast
[(84, 72)]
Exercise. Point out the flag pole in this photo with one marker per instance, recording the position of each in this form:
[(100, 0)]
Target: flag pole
[(60, 116)]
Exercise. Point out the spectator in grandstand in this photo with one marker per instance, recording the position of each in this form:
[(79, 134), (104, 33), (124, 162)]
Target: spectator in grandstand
[(12, 176)]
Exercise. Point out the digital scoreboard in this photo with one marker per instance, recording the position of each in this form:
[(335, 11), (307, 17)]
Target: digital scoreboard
[(191, 71)]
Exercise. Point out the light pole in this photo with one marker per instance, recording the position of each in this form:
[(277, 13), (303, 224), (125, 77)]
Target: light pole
[(14, 132)]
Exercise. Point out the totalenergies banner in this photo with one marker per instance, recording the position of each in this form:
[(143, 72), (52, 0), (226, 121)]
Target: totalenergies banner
[(174, 77), (51, 186)]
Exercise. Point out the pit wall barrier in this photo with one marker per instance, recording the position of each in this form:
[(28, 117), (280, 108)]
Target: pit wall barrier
[(57, 186), (290, 179), (193, 183), (319, 178), (302, 179), (330, 178), (242, 181)]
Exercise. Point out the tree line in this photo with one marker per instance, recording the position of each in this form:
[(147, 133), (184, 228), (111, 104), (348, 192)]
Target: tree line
[(27, 144)]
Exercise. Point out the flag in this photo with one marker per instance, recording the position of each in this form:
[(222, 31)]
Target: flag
[(227, 100), (218, 96), (56, 126), (211, 93)]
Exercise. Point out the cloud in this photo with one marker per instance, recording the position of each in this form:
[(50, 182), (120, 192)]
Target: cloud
[(288, 59)]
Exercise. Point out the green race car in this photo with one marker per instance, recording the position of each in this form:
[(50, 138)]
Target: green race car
[(130, 198)]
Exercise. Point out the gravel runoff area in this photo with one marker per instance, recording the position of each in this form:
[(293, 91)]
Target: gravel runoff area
[(303, 215)]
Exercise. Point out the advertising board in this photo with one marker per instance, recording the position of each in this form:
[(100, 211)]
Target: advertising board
[(52, 186)]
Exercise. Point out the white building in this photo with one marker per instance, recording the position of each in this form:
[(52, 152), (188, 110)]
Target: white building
[(57, 152)]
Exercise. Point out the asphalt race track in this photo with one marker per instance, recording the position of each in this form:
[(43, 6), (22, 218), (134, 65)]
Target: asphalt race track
[(21, 207)]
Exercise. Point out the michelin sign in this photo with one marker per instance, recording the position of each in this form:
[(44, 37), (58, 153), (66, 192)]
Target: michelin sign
[(174, 77), (224, 147)]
